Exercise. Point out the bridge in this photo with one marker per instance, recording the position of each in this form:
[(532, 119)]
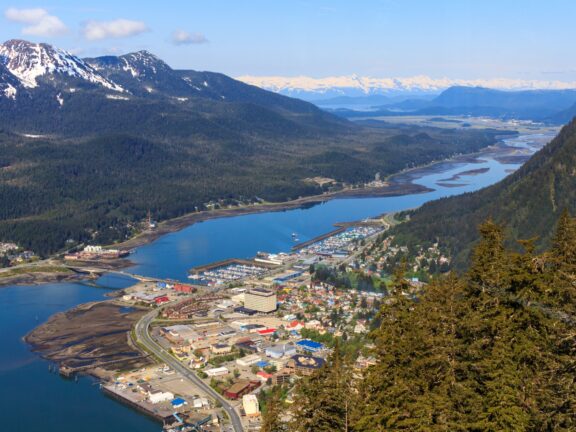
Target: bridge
[(98, 271)]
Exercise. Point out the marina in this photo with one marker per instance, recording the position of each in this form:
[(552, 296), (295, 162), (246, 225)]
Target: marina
[(227, 271)]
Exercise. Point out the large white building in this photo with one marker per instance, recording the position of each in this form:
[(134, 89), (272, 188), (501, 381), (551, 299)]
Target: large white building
[(159, 396), (217, 372), (260, 299), (250, 404)]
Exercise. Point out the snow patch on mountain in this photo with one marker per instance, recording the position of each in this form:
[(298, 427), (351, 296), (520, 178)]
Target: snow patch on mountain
[(10, 91), (29, 61)]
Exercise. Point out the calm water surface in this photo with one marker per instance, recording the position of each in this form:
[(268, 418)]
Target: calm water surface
[(32, 399)]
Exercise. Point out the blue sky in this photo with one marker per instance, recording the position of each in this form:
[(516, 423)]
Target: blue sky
[(381, 38)]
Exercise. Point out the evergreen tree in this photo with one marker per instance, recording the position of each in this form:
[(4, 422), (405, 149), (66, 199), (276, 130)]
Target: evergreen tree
[(272, 417), (323, 400), (488, 269)]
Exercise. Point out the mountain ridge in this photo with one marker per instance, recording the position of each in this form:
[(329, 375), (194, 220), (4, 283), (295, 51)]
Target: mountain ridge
[(316, 89), (528, 202)]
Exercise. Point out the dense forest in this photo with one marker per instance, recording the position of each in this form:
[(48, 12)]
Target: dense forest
[(528, 203), (95, 188), (493, 350)]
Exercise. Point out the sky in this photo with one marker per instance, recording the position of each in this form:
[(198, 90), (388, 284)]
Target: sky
[(520, 39)]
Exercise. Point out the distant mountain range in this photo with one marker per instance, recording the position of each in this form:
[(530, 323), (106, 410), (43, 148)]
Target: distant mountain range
[(317, 89), (553, 106)]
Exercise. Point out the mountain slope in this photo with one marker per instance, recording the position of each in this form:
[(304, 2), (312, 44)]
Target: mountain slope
[(528, 202), (30, 62)]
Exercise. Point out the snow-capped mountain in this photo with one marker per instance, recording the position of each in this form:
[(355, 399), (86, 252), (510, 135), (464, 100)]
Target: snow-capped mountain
[(353, 85), (29, 62), (141, 73)]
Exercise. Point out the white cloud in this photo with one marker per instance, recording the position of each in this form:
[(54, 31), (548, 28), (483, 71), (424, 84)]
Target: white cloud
[(38, 21), (120, 28), (181, 37)]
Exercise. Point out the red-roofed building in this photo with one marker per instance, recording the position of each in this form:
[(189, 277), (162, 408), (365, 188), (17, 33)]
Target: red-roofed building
[(295, 325), (264, 376), (267, 332), (161, 300), (184, 288)]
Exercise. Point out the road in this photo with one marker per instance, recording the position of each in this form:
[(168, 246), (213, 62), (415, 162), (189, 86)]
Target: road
[(143, 336)]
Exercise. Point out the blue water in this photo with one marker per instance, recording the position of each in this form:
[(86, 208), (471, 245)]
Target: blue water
[(242, 236), (32, 399)]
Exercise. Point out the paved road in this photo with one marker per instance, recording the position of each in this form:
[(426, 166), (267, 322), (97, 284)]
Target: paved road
[(143, 335)]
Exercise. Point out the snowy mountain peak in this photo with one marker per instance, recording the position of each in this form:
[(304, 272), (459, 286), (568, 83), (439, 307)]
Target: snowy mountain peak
[(354, 85), (28, 61), (144, 63)]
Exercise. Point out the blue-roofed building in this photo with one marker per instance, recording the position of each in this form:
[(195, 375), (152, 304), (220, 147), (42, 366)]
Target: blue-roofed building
[(309, 345), (178, 402), (262, 364)]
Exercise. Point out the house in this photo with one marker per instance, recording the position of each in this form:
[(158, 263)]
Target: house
[(264, 376)]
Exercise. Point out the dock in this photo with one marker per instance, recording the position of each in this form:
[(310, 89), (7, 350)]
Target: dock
[(324, 236), (132, 400), (228, 262)]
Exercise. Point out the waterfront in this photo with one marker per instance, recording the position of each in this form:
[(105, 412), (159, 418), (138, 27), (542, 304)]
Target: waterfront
[(29, 391)]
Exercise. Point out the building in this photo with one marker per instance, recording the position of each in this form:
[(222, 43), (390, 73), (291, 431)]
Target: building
[(241, 388), (217, 372), (282, 376), (304, 365), (184, 288), (260, 299), (158, 396), (251, 406), (309, 346), (279, 351), (249, 360), (220, 349)]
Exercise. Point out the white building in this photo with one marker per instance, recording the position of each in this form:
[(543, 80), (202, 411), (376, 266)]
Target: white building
[(217, 372), (250, 404), (260, 299), (158, 396)]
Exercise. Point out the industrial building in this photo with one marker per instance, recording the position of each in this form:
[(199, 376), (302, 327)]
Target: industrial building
[(260, 299)]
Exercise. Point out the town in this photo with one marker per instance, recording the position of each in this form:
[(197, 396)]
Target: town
[(239, 328)]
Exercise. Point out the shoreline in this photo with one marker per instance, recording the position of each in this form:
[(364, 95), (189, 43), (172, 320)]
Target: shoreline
[(397, 184), (395, 188)]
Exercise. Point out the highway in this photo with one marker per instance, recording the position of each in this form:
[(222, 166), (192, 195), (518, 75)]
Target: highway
[(143, 336)]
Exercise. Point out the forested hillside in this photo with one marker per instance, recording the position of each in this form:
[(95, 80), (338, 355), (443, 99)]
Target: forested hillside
[(491, 351), (528, 203), (87, 147)]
